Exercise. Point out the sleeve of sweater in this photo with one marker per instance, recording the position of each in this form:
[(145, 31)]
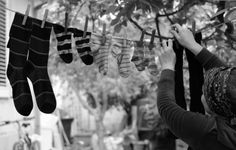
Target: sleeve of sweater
[(186, 125), (209, 60)]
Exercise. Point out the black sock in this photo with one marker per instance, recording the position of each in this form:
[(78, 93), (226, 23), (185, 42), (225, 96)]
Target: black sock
[(37, 66), (196, 79), (179, 82), (18, 45), (83, 47), (64, 42)]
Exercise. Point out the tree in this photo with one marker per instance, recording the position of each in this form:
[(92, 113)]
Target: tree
[(129, 18)]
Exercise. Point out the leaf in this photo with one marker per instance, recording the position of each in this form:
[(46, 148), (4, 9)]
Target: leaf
[(118, 28), (111, 9), (137, 16), (124, 23), (115, 21)]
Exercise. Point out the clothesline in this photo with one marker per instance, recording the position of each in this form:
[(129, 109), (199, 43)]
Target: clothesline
[(93, 33)]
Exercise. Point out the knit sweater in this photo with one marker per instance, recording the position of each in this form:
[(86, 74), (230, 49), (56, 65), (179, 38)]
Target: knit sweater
[(201, 132)]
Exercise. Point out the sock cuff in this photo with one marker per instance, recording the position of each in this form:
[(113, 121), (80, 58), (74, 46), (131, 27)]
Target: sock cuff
[(41, 33), (19, 31)]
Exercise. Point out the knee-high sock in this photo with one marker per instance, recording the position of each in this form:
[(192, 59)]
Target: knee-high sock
[(19, 45), (64, 42), (37, 66), (101, 52), (196, 79), (83, 46), (138, 55), (179, 82)]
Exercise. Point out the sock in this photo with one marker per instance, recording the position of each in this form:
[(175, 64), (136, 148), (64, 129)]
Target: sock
[(101, 53), (83, 46), (37, 66), (179, 82), (152, 66), (18, 45), (123, 58), (64, 42), (196, 79), (147, 55), (138, 55)]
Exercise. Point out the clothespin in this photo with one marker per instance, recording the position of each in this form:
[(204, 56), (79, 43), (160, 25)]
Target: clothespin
[(66, 20), (152, 39), (104, 34), (26, 14), (85, 27), (44, 18), (142, 36)]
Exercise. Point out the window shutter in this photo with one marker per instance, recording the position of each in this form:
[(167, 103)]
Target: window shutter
[(2, 44)]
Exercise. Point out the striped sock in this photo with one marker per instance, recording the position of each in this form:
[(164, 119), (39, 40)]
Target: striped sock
[(37, 66), (101, 53), (152, 66), (123, 59), (147, 55), (64, 42), (138, 56), (18, 45), (83, 46)]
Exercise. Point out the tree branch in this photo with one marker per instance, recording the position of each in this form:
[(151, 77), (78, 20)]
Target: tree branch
[(158, 28), (168, 17), (145, 32), (186, 5), (77, 12)]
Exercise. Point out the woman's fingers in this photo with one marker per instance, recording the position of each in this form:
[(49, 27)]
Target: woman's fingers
[(179, 28), (176, 35)]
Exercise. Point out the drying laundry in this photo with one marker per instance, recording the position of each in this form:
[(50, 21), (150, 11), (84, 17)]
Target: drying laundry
[(83, 46), (101, 50), (138, 55), (64, 42), (36, 68), (152, 66), (124, 56), (19, 45)]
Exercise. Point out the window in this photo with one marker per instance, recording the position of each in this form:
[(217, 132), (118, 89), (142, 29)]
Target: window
[(2, 44)]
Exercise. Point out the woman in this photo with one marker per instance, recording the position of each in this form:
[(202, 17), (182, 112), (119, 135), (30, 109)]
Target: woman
[(215, 131)]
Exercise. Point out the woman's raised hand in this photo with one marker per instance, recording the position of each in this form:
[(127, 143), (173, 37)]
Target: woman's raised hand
[(167, 56), (185, 37)]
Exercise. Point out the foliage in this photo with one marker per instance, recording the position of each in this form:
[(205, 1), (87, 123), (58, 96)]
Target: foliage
[(129, 18)]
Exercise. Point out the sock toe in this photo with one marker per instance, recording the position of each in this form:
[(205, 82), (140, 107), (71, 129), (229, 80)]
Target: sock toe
[(67, 58), (24, 105), (87, 59), (46, 103)]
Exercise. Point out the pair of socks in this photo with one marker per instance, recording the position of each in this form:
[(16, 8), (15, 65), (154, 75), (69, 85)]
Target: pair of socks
[(64, 44), (123, 58), (196, 78), (28, 57), (144, 56), (101, 51)]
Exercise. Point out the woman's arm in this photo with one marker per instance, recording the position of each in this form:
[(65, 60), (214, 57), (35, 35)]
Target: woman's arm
[(186, 125), (209, 60)]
